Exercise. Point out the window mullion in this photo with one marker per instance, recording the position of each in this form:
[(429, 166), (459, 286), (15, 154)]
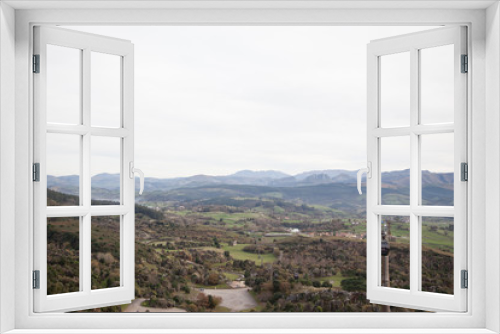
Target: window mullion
[(85, 239), (414, 170)]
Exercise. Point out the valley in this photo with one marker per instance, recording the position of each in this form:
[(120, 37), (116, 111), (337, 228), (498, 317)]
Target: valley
[(250, 247)]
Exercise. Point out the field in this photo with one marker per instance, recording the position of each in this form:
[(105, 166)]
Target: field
[(238, 253), (335, 278), (313, 258)]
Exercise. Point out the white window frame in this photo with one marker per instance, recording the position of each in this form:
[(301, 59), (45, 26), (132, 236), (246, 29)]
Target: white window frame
[(85, 298), (484, 149), (414, 297)]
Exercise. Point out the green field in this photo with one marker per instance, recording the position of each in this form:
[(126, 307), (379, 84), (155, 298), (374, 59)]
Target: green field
[(440, 238), (230, 219), (231, 276), (237, 253), (335, 278)]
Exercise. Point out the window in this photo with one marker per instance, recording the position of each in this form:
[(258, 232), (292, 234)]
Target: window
[(75, 123), (426, 137), (333, 229), (482, 242)]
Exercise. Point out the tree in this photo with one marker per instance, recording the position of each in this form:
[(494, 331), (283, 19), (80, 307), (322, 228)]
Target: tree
[(211, 302), (353, 284), (213, 279)]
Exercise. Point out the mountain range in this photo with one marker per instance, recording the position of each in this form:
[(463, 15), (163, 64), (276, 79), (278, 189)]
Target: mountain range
[(324, 187)]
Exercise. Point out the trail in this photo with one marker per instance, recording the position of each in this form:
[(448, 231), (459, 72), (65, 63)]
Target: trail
[(135, 306)]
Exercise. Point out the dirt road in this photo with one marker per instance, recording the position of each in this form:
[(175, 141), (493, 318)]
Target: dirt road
[(234, 299), (135, 306)]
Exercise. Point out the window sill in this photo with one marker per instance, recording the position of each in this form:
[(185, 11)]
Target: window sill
[(253, 331)]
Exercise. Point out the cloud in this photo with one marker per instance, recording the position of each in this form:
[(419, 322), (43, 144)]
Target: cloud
[(214, 100)]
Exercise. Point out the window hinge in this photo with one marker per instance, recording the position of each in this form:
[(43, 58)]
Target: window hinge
[(465, 64), (36, 63), (465, 279), (36, 279), (36, 172), (464, 171)]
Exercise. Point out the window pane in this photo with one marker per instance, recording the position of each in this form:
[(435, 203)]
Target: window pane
[(395, 90), (63, 85), (437, 84), (437, 254), (395, 266), (395, 170), (437, 154), (63, 261), (63, 169), (105, 90), (105, 239), (105, 170)]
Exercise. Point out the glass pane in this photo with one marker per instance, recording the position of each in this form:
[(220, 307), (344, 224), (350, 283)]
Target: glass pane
[(437, 254), (105, 239), (437, 154), (63, 169), (437, 84), (63, 261), (105, 170), (63, 85), (395, 250), (395, 170), (105, 90), (395, 90)]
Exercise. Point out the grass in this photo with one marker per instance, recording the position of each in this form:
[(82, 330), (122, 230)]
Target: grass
[(208, 287), (278, 209), (231, 276), (270, 240), (230, 219), (335, 278), (218, 265), (238, 253), (124, 307), (219, 308), (438, 240), (325, 208), (257, 308)]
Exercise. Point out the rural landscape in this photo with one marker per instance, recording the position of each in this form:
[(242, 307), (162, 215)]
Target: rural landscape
[(253, 241)]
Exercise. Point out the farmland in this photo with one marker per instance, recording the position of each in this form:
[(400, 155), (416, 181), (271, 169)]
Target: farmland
[(288, 254)]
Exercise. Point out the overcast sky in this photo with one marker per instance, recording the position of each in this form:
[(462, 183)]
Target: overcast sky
[(215, 100)]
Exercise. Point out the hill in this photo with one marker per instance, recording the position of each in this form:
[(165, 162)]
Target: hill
[(106, 186)]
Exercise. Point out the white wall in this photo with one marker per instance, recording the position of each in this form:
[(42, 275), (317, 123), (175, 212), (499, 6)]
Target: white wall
[(23, 138), (7, 159), (492, 165)]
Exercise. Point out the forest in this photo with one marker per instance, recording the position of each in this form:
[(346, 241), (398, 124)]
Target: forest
[(276, 255)]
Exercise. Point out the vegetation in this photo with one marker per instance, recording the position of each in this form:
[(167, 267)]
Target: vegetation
[(295, 255)]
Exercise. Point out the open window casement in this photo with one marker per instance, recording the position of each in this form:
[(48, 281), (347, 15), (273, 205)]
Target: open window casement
[(83, 112), (417, 102)]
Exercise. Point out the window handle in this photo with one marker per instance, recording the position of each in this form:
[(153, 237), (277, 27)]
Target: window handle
[(141, 176), (368, 171)]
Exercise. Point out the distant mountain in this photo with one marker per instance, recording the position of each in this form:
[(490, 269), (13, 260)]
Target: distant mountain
[(318, 179), (344, 178), (106, 186), (261, 174), (340, 196), (66, 184), (332, 173)]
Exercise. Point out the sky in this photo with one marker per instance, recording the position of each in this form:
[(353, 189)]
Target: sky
[(216, 100)]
